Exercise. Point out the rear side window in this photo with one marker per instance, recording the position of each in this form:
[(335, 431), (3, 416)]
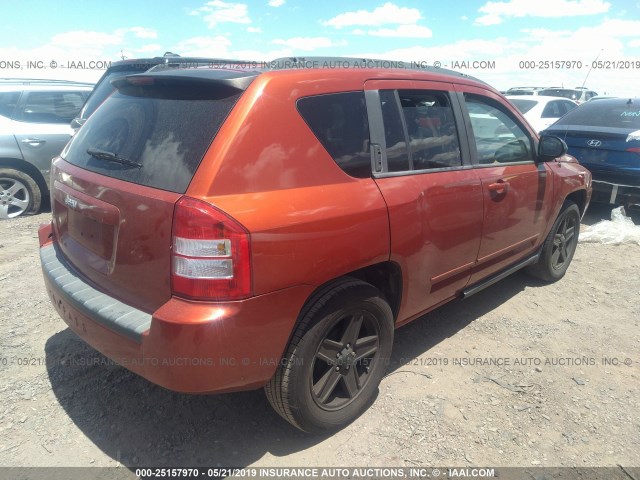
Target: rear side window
[(552, 110), (8, 101), (339, 121), (394, 135), (433, 138), (159, 133)]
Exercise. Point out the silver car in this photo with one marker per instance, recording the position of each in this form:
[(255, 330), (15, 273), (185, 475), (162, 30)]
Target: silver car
[(34, 127)]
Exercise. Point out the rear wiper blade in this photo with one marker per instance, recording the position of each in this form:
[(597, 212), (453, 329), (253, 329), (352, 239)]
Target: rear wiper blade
[(112, 157)]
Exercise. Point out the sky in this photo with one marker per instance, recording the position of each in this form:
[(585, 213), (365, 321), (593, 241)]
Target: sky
[(565, 43)]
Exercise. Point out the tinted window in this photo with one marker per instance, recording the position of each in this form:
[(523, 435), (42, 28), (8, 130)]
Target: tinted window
[(8, 102), (167, 129), (566, 107), (552, 110), (51, 107), (339, 121), (104, 88), (433, 138), (561, 92), (395, 140), (523, 105), (499, 139), (605, 113)]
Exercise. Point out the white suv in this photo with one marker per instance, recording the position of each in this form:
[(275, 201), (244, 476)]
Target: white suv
[(34, 127)]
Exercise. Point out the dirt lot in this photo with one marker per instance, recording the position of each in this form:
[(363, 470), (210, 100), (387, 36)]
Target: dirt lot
[(521, 374)]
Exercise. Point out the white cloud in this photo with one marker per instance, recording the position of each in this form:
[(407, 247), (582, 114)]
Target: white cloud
[(307, 43), (84, 37), (142, 32), (388, 13), (496, 12), (403, 31), (217, 11), (276, 3), (153, 48), (634, 43), (214, 47), (254, 30)]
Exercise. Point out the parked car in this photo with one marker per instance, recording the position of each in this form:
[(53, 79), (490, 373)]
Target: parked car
[(605, 137), (139, 65), (541, 111), (221, 230), (34, 128), (578, 94), (523, 91)]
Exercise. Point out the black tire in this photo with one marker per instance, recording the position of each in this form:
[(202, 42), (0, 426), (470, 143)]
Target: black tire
[(559, 246), (342, 343), (19, 194)]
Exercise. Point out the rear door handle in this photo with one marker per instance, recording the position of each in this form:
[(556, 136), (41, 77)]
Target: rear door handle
[(498, 187), (34, 142)]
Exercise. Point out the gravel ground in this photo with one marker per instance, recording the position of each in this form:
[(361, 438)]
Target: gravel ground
[(521, 374)]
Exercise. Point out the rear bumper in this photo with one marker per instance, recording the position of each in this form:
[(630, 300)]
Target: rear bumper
[(185, 346), (614, 193)]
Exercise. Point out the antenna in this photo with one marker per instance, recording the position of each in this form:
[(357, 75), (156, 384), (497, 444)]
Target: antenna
[(591, 68)]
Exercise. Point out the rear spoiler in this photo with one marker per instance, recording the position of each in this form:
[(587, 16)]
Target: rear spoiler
[(237, 81)]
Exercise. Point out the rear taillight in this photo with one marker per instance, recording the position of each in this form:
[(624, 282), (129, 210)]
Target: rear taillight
[(211, 258), (634, 150)]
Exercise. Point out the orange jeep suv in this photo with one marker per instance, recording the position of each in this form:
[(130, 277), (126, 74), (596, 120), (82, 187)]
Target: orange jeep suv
[(224, 229)]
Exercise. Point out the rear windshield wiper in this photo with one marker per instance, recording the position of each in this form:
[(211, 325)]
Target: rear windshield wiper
[(112, 157)]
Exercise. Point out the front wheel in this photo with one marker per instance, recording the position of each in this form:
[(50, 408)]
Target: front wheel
[(559, 246), (336, 358)]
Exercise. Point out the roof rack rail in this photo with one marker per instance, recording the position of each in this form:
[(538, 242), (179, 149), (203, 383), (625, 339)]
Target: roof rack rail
[(285, 63), (195, 62), (28, 81)]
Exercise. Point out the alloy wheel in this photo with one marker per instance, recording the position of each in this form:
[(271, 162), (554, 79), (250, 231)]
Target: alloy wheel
[(344, 359), (14, 198)]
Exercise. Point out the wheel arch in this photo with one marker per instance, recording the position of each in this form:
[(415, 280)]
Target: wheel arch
[(385, 276), (579, 197)]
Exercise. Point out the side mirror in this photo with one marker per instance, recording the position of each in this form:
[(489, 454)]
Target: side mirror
[(550, 148)]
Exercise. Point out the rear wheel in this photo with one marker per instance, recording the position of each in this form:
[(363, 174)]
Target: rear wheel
[(559, 246), (336, 358), (19, 194)]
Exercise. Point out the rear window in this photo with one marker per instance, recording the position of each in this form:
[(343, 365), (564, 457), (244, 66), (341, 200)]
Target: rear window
[(523, 105), (104, 88), (164, 129), (339, 121), (604, 114), (561, 92)]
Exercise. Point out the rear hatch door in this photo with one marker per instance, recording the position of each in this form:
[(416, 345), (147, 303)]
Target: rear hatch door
[(116, 183)]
